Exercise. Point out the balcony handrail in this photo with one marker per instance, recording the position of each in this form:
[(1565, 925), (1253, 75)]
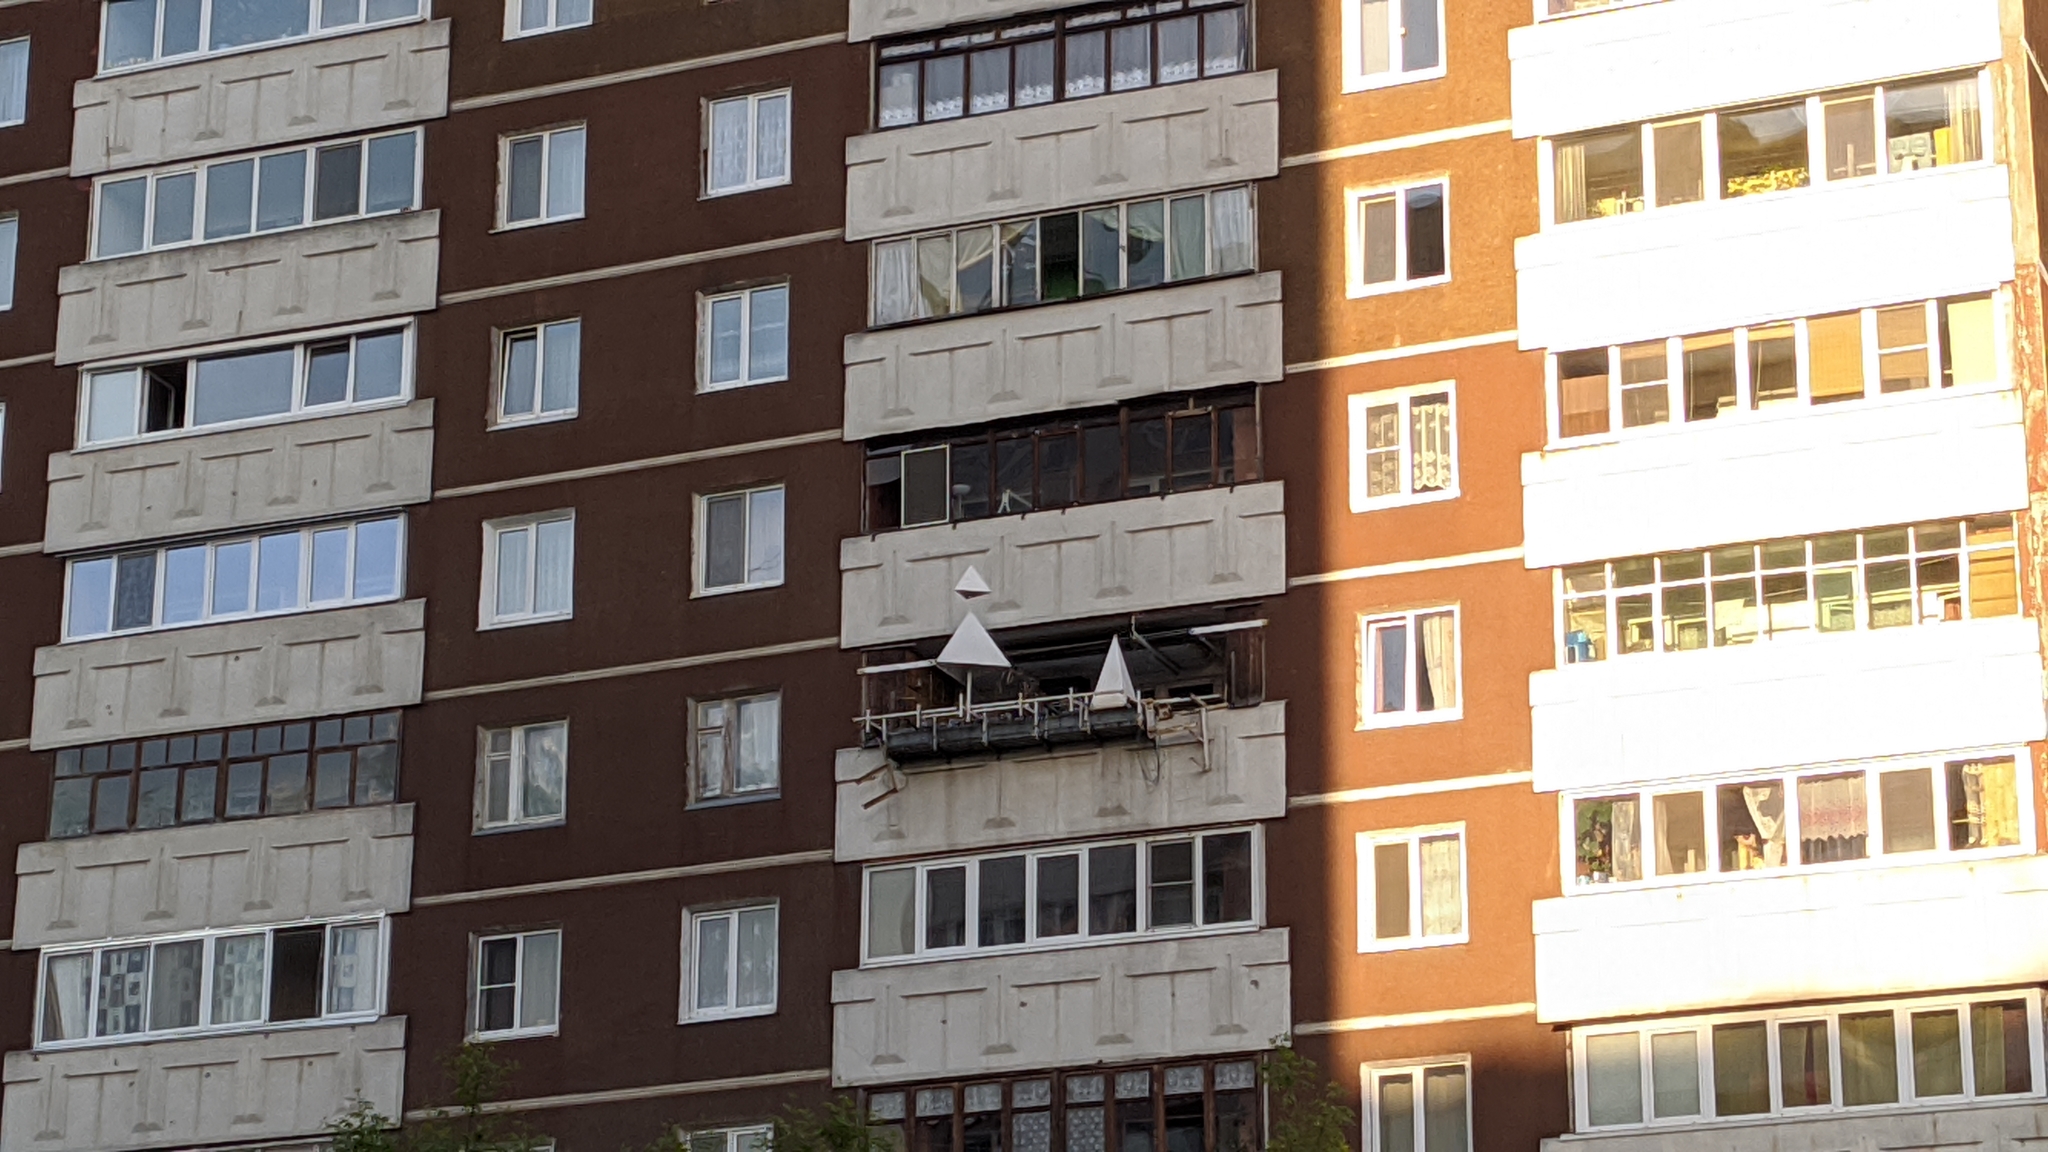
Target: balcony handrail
[(1034, 712)]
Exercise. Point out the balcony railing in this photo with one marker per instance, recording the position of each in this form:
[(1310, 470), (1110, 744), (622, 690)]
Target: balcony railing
[(1021, 722)]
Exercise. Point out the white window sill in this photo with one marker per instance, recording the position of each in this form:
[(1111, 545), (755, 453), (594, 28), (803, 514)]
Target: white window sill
[(1238, 928), (729, 589), (245, 49), (506, 423), (1380, 720), (518, 826), (760, 797), (165, 1037), (712, 1015), (515, 1034), (303, 414), (1411, 943), (1405, 500), (12, 123), (737, 385), (523, 621), (1355, 82), (530, 33), (1360, 291), (540, 222), (715, 193)]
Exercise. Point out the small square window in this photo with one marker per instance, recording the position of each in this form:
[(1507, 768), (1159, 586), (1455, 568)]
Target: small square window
[(523, 775), (1400, 238), (747, 143), (738, 747), (518, 985), (739, 540), (1411, 888), (534, 17), (529, 569), (745, 338), (732, 963), (1392, 42), (1410, 668), (538, 372), (542, 177), (1403, 447)]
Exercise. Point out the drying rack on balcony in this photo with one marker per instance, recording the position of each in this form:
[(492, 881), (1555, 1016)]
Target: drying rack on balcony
[(983, 727)]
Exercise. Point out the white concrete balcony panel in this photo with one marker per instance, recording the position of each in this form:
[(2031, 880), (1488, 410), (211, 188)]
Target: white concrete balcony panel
[(1066, 564), (1827, 469), (1809, 700), (1209, 766), (1803, 252), (1648, 61), (262, 1086), (222, 481), (1983, 1127), (384, 266), (1069, 154), (242, 101), (1121, 1003), (256, 671), (317, 865), (1820, 936), (1053, 357)]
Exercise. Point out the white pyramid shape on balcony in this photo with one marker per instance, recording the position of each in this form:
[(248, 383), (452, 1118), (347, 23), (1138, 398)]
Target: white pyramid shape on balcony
[(972, 647), (1113, 688)]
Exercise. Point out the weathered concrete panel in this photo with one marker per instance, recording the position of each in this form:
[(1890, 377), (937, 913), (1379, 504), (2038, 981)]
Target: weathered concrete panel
[(343, 273), (222, 481), (1070, 154), (1073, 355), (243, 672), (243, 101), (314, 866), (215, 1089), (1208, 766), (1120, 1003), (1066, 564)]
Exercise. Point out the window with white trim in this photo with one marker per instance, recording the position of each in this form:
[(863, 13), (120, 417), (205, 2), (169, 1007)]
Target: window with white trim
[(3, 446), (739, 540), (1801, 1061), (518, 985), (1411, 888), (746, 142), (745, 336), (732, 955), (750, 1138), (276, 191), (523, 776), (1022, 901), (738, 744), (236, 980), (539, 371), (1399, 238), (135, 32), (1413, 1106), (1392, 42), (244, 385), (529, 569), (1410, 673), (13, 82), (275, 573), (1403, 447), (534, 17), (10, 237), (1896, 812), (1883, 131), (543, 177)]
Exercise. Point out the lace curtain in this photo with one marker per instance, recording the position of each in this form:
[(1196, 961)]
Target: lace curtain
[(1439, 661), (1430, 434), (1570, 162), (1443, 888)]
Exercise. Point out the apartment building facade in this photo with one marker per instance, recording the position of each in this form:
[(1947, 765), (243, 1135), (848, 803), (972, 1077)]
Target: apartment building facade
[(1059, 545)]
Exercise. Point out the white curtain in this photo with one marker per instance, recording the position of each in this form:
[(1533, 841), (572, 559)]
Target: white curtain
[(714, 962), (1430, 432), (764, 536), (1443, 889), (895, 282), (1570, 162), (760, 739), (553, 565), (565, 173), (1834, 818), (1965, 123), (67, 996), (352, 969), (541, 787), (1440, 658), (771, 137), (935, 275), (1230, 231), (754, 982), (728, 144), (1628, 849), (1766, 804)]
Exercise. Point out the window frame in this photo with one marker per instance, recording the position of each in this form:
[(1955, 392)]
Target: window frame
[(732, 793), (705, 335), (689, 1012), (481, 823), (513, 31), (1830, 1013), (500, 417), (10, 257), (701, 545), (159, 60), (208, 939), (27, 54), (753, 182), (546, 136), (487, 601), (1408, 715), (1359, 406), (1081, 937), (1357, 79), (475, 1030), (301, 347), (1371, 1073), (1365, 842), (1356, 286), (734, 1137)]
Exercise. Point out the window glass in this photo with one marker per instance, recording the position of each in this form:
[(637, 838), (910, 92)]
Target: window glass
[(1674, 1075), (1742, 1081), (1851, 137), (565, 173), (230, 198), (1112, 890), (1999, 1048), (892, 911), (337, 183), (1937, 1054), (1600, 174), (1681, 175), (1870, 1062), (1933, 124), (1763, 150), (175, 203), (1425, 232), (1803, 1074), (281, 190), (1001, 902), (1614, 1079), (123, 206), (240, 22), (523, 179)]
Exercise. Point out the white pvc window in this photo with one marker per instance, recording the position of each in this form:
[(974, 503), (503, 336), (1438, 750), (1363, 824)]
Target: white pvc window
[(542, 177), (534, 17), (1411, 888), (748, 143), (1403, 447), (1410, 673), (1399, 238), (13, 81), (518, 985), (524, 775), (738, 747), (275, 573), (10, 233), (529, 569), (140, 31), (237, 980), (752, 1138), (245, 385), (539, 372), (745, 337), (1419, 1107), (732, 963), (739, 540), (1392, 42)]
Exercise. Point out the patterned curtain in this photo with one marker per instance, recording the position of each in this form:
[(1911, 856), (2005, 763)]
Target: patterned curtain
[(1429, 419)]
